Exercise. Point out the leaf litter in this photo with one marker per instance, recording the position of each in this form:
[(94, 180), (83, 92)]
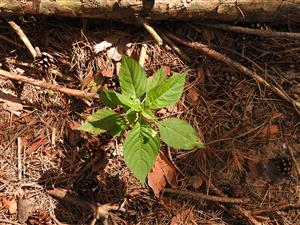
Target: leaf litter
[(230, 111)]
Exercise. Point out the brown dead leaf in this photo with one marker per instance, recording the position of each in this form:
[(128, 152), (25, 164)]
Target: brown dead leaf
[(185, 217), (193, 96), (271, 130), (10, 205), (35, 145), (73, 135), (162, 172), (200, 75)]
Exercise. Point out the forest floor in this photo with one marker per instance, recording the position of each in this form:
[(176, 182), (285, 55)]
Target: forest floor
[(51, 173)]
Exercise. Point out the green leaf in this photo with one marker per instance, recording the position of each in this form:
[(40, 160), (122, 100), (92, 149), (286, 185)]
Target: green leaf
[(132, 116), (148, 114), (132, 78), (167, 93), (179, 134), (141, 148), (109, 98), (156, 79), (104, 120), (112, 99)]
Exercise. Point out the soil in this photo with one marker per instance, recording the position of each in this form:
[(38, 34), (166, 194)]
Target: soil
[(251, 136)]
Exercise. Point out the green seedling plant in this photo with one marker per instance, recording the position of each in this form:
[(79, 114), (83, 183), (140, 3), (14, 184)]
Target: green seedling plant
[(139, 97)]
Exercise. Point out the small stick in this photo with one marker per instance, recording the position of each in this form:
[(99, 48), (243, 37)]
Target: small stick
[(290, 149), (251, 31), (153, 33), (207, 197), (143, 55), (239, 67), (54, 87), (277, 208), (19, 155), (23, 37), (53, 136), (175, 48)]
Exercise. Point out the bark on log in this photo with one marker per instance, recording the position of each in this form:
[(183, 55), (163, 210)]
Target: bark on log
[(127, 10)]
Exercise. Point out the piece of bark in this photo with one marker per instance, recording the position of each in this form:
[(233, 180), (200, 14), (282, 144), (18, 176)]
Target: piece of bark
[(129, 10)]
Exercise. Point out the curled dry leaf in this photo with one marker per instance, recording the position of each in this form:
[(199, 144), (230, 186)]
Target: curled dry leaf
[(162, 172), (193, 96)]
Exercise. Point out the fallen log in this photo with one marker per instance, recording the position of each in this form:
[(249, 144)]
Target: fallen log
[(128, 10)]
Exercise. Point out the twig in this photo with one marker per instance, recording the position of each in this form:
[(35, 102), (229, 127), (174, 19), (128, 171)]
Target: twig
[(173, 163), (218, 56), (153, 33), (207, 197), (54, 87), (53, 136), (99, 211), (175, 48), (143, 55), (277, 208), (19, 159), (23, 37), (290, 149), (251, 31)]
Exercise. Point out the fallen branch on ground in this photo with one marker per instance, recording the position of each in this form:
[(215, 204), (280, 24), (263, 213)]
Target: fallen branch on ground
[(54, 87), (251, 31), (220, 57)]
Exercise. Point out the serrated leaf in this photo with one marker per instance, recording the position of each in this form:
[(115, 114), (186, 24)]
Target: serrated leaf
[(104, 120), (156, 79), (167, 93), (141, 148), (132, 78), (179, 134), (112, 99)]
